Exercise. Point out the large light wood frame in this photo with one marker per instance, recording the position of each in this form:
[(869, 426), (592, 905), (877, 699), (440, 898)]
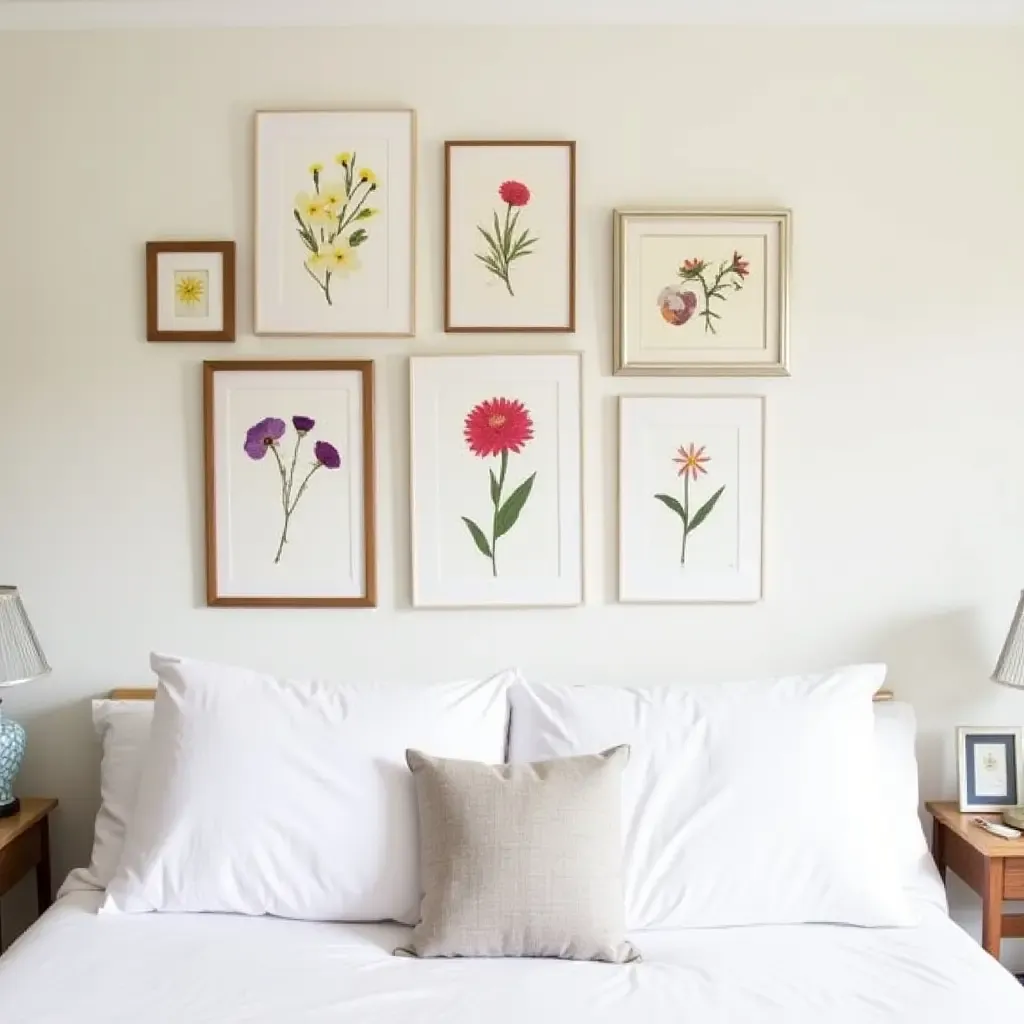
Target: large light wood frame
[(567, 328), (369, 597)]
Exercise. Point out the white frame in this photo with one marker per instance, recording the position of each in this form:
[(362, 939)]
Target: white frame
[(747, 412), (429, 588), (270, 247), (630, 357), (962, 733)]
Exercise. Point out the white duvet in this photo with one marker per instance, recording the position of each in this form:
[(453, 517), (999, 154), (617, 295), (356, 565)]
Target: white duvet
[(75, 967)]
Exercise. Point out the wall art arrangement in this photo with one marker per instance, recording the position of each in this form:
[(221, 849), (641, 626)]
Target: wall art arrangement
[(289, 483), (690, 484), (496, 483), (701, 292), (510, 236), (190, 291), (496, 488), (335, 222)]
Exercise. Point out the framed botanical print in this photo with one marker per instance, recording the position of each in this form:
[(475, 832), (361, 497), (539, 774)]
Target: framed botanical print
[(690, 498), (335, 222), (496, 484), (989, 764), (510, 236), (289, 483), (190, 291), (702, 292)]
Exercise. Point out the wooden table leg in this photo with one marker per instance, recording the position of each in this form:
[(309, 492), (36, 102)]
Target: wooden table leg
[(44, 887), (992, 906), (939, 847)]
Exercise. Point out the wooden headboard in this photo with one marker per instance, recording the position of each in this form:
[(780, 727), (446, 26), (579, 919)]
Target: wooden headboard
[(147, 693)]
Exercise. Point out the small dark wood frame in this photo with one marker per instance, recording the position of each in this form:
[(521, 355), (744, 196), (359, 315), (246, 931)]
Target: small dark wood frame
[(567, 328), (369, 597), (227, 252)]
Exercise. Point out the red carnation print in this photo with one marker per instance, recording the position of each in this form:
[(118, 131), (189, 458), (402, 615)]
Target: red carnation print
[(506, 242), (515, 193), (677, 305), (498, 426), (691, 461)]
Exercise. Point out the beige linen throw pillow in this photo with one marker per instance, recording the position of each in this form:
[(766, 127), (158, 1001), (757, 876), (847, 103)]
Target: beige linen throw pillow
[(521, 859)]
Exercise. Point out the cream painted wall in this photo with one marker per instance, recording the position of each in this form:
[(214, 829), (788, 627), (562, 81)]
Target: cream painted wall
[(895, 491)]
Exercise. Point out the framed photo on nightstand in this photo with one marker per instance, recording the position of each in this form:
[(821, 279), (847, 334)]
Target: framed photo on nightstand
[(988, 768)]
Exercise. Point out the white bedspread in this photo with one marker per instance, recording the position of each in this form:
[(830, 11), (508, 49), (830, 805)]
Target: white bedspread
[(74, 967)]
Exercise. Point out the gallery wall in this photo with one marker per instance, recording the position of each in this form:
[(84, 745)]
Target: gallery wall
[(894, 497)]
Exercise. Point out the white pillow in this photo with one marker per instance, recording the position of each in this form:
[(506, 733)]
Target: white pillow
[(899, 801), (267, 796), (123, 730), (744, 803)]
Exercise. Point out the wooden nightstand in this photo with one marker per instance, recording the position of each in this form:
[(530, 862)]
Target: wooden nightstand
[(25, 844), (992, 867)]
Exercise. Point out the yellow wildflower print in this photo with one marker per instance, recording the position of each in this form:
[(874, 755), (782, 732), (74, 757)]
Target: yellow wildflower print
[(313, 209), (365, 174), (189, 290), (316, 168), (344, 159)]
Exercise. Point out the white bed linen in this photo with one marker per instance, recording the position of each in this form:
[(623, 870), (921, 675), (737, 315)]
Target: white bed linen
[(76, 966)]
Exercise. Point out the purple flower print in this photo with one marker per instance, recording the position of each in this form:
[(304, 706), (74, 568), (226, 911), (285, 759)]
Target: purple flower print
[(263, 437), (327, 455)]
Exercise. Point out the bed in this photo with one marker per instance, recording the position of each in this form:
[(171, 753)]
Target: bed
[(73, 965)]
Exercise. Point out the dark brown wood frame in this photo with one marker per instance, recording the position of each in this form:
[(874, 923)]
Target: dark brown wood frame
[(227, 253), (569, 328), (369, 597)]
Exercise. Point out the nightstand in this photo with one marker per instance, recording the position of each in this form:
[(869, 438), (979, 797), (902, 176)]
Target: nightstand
[(992, 867), (24, 845)]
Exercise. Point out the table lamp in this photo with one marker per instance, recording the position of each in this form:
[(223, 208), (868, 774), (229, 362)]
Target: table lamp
[(1009, 671), (21, 660)]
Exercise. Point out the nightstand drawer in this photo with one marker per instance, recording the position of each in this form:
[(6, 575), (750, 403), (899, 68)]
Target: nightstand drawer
[(1013, 879), (17, 859)]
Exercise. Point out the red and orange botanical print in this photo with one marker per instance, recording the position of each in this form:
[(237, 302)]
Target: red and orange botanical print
[(678, 303), (692, 462), (506, 243), (496, 427)]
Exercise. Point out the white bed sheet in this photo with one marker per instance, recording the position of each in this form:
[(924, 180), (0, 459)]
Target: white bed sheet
[(75, 966)]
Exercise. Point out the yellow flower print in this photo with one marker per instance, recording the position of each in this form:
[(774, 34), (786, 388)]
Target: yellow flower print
[(313, 209), (334, 196), (365, 174), (315, 169), (189, 290), (344, 159)]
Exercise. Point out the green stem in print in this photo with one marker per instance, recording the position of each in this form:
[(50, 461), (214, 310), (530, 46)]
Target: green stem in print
[(496, 490), (686, 516)]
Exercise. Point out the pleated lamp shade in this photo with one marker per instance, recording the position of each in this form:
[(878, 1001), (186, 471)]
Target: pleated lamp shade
[(1010, 667), (21, 656)]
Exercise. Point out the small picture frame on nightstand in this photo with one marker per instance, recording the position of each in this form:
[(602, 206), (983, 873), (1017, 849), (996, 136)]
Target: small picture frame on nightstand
[(989, 765)]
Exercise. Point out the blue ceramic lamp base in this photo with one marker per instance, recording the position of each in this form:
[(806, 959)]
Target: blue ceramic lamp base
[(12, 751)]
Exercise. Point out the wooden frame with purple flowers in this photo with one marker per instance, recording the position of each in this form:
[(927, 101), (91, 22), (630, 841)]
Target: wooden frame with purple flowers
[(510, 236), (289, 465)]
